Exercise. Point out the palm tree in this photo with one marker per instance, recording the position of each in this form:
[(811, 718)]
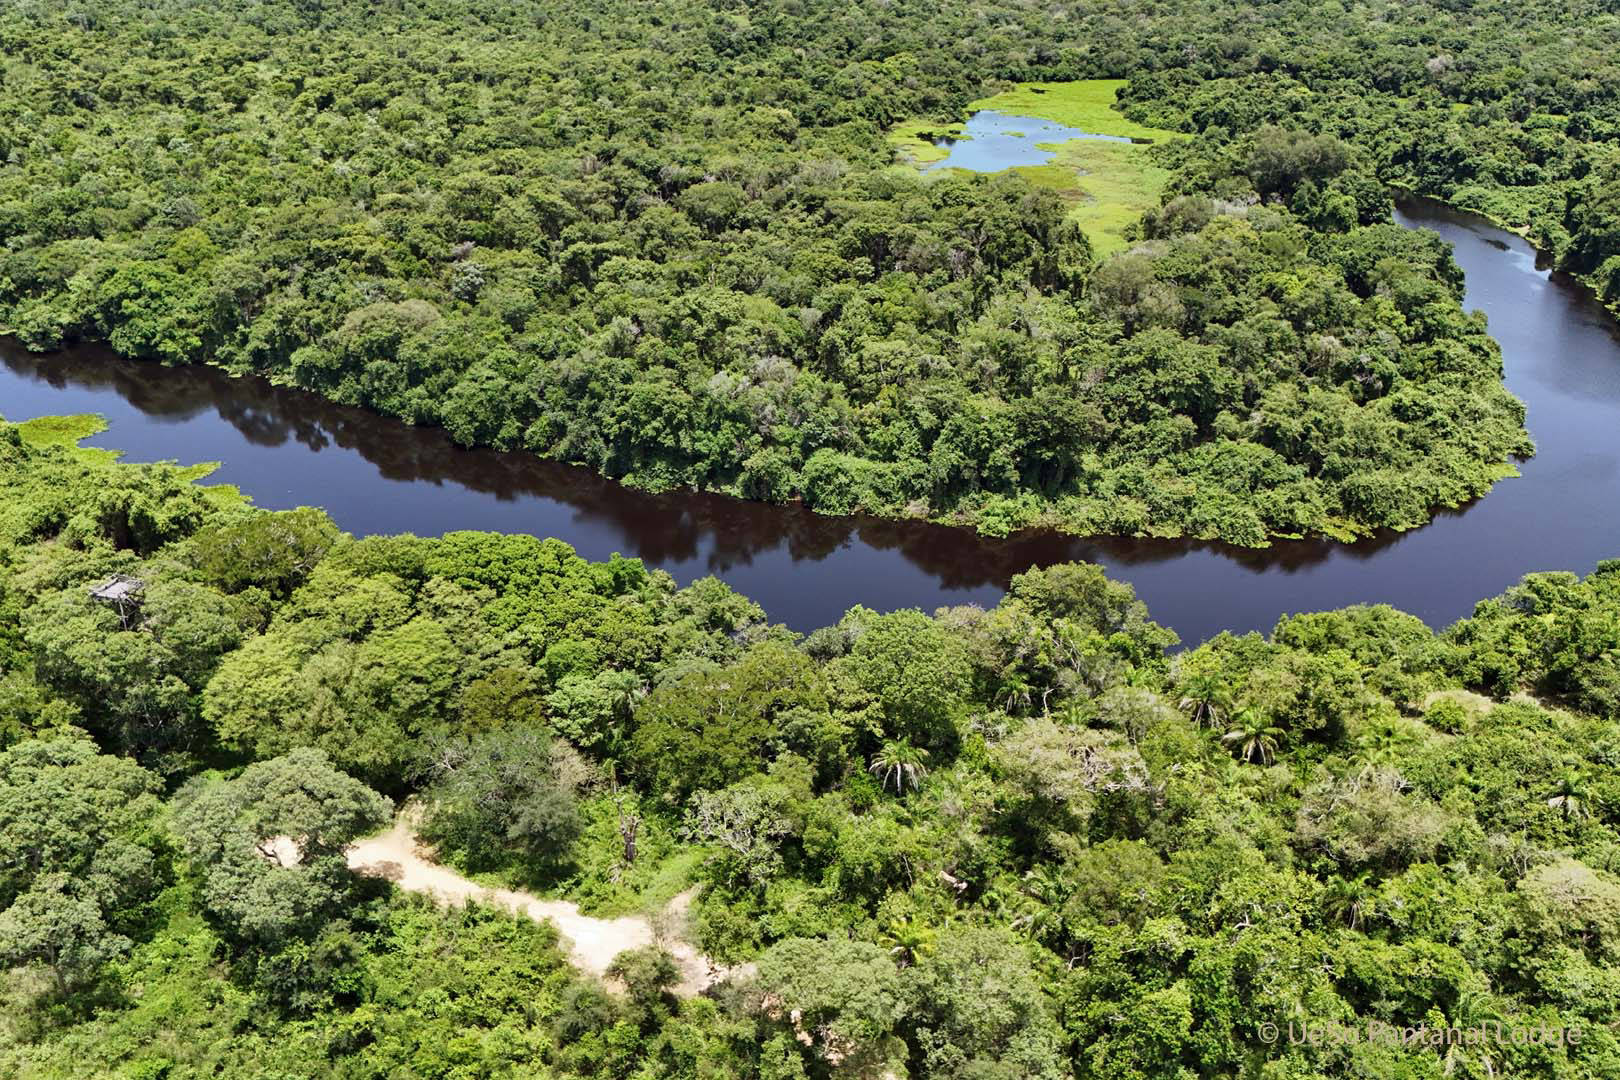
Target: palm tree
[(1475, 1007), (908, 941), (1382, 744), (1076, 713), (1204, 698), (900, 763), (1046, 893), (1017, 690), (1255, 738), (1572, 798), (1348, 899)]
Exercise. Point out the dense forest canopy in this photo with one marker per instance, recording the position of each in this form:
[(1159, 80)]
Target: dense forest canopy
[(1018, 842), (671, 240)]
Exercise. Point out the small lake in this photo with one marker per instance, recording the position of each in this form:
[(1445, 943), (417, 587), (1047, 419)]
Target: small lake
[(992, 141), (375, 475)]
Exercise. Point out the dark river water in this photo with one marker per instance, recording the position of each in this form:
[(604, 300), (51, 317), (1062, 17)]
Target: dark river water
[(374, 475)]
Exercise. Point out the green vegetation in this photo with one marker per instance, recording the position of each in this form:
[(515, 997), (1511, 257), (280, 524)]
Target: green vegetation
[(672, 241), (1107, 186), (1087, 104), (680, 251), (61, 430), (917, 143), (1504, 109), (1022, 842)]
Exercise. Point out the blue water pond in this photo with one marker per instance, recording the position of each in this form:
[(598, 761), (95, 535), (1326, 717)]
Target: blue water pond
[(992, 141)]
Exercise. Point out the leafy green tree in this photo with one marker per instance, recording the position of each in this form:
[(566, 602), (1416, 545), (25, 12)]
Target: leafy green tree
[(503, 794), (1281, 160), (973, 1004), (77, 827), (594, 712), (134, 682), (61, 926), (366, 667), (648, 974), (712, 726), (268, 844), (274, 552), (913, 674), (1081, 595), (506, 697), (1116, 883), (63, 805), (841, 999)]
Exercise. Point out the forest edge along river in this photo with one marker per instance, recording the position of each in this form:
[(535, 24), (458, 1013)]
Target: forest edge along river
[(286, 448)]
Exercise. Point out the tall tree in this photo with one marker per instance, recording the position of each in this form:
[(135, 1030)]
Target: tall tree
[(268, 844)]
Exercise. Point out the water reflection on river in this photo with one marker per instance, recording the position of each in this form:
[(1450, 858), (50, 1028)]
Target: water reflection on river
[(375, 475)]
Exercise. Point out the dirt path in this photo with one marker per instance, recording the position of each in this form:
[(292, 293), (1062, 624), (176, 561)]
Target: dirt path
[(591, 943)]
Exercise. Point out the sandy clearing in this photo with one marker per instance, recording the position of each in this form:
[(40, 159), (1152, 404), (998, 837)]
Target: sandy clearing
[(591, 943)]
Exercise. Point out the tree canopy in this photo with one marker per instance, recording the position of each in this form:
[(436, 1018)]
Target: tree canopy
[(1024, 841), (681, 252), (674, 242)]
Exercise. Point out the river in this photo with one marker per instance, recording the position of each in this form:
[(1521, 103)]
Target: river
[(375, 475)]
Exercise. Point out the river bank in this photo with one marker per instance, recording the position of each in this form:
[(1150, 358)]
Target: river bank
[(284, 448)]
